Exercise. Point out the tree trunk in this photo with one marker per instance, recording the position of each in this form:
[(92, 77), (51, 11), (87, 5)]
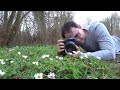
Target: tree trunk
[(15, 28), (7, 27)]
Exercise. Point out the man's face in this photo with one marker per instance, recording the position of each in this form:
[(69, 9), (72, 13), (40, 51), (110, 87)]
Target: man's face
[(78, 33)]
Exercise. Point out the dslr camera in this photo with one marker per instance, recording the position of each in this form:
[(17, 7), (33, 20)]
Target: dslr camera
[(69, 45)]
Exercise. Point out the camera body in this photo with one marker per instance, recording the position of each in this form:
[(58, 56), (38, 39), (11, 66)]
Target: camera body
[(70, 45)]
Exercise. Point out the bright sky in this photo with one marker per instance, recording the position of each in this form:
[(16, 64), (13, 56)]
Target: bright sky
[(80, 17)]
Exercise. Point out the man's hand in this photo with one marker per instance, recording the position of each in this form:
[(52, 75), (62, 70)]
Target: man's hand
[(60, 46), (75, 53)]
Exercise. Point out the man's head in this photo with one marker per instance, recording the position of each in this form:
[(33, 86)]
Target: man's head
[(71, 29)]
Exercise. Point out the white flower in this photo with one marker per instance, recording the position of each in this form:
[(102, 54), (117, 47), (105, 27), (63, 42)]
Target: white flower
[(16, 46), (98, 58), (2, 62), (11, 50), (81, 57), (60, 58), (51, 75), (89, 77), (11, 61), (45, 56), (2, 73), (38, 76), (36, 63), (51, 58), (24, 56), (19, 53), (57, 57)]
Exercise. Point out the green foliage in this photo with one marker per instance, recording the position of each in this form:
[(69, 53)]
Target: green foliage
[(20, 65)]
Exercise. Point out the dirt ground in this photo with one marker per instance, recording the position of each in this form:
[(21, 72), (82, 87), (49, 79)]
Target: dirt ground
[(117, 60)]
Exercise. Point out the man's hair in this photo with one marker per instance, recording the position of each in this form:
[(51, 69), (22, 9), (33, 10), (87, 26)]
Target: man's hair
[(66, 27)]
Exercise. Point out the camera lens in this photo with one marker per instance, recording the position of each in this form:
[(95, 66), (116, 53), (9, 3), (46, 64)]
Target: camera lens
[(70, 46)]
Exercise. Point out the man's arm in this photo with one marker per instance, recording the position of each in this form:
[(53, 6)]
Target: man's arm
[(106, 44)]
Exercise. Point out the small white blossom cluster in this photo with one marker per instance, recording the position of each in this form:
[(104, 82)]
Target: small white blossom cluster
[(2, 61), (16, 46), (81, 57), (36, 63), (48, 56), (51, 59), (19, 53), (11, 61), (45, 56), (60, 58), (24, 56), (2, 73), (40, 76), (11, 49)]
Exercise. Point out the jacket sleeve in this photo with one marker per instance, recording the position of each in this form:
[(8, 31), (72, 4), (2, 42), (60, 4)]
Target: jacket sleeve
[(105, 42)]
